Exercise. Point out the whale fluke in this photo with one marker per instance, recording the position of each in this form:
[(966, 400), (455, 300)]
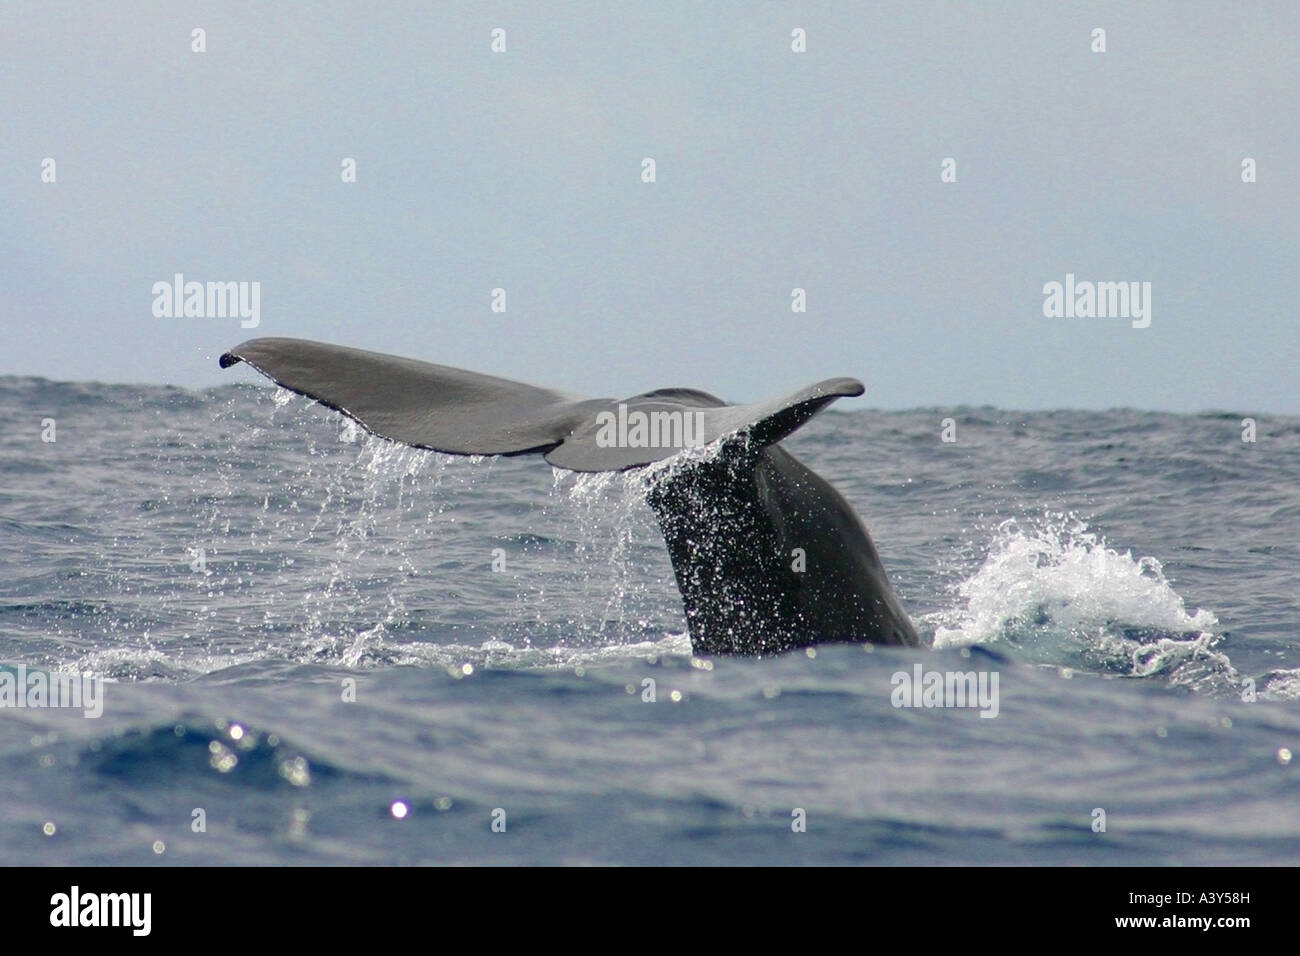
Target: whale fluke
[(419, 403), (466, 413), (767, 555)]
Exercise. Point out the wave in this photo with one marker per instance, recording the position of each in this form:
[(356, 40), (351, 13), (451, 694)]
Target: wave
[(1056, 593), (194, 747)]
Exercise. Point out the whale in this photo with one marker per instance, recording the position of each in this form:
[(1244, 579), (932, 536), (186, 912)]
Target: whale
[(767, 555)]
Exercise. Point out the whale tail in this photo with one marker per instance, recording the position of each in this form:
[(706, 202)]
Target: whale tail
[(767, 555), (466, 413)]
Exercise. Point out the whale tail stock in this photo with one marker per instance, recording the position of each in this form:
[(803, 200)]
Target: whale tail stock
[(731, 522)]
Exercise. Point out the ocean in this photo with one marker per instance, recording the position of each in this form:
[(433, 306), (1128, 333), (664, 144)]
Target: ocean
[(312, 646)]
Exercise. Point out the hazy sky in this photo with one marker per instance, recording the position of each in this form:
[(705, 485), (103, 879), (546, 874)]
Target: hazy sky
[(775, 170)]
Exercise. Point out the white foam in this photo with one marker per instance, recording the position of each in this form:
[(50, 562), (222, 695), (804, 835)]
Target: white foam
[(1058, 570), (1055, 588)]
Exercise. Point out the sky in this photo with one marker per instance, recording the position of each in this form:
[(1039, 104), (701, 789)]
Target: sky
[(774, 170)]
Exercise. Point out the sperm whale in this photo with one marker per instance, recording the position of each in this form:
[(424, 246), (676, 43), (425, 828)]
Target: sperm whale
[(768, 556)]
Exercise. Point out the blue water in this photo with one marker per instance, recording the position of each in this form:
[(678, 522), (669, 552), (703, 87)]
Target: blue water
[(235, 562)]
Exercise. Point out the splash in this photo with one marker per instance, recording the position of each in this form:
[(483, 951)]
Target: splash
[(1058, 594), (460, 659), (613, 540), (371, 553)]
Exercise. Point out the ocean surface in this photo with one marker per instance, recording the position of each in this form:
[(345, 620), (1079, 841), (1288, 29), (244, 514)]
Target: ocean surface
[(318, 647)]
